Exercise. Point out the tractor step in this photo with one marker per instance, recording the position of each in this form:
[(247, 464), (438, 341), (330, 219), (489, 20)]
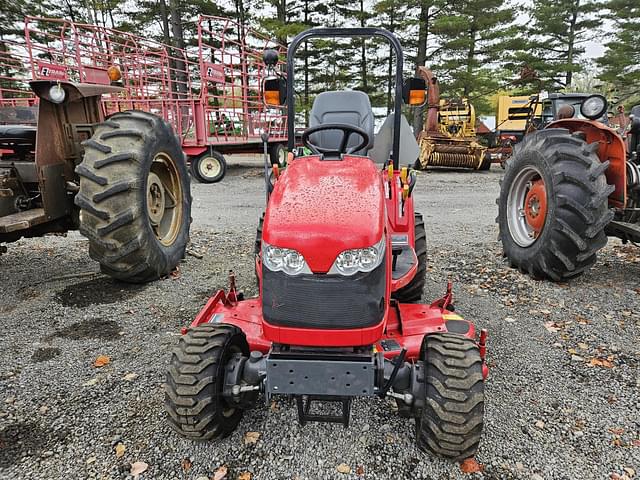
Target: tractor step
[(624, 230), (22, 220), (304, 408)]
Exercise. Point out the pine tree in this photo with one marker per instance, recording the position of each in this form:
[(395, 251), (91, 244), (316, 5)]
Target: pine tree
[(473, 36), (557, 32), (621, 60)]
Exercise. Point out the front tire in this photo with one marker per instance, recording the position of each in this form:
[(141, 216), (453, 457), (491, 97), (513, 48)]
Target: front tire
[(135, 197), (553, 207), (277, 154), (412, 291), (194, 402), (209, 167), (451, 421)]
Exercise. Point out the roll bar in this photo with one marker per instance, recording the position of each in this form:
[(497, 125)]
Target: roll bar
[(346, 33)]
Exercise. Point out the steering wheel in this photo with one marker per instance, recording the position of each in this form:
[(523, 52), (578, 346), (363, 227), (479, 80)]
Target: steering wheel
[(347, 131)]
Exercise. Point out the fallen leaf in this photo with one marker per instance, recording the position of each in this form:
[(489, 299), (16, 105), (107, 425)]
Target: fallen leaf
[(244, 476), (600, 362), (540, 424), (509, 319), (583, 346), (552, 327), (274, 406), (635, 443), (360, 470), (91, 382), (251, 437), (545, 312), (617, 431), (138, 468), (186, 464), (616, 442), (101, 361), (629, 471), (343, 468), (470, 465), (175, 274), (130, 377), (572, 351), (220, 473), (120, 448)]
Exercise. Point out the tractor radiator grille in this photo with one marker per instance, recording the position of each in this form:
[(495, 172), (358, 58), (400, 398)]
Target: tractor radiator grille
[(322, 301)]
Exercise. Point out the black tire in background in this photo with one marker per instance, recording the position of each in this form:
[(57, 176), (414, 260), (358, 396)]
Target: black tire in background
[(576, 205), (277, 154), (194, 402), (412, 291), (209, 167), (135, 197), (451, 421)]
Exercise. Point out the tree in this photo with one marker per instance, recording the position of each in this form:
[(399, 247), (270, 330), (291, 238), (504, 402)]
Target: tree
[(557, 34), (473, 37), (621, 61)]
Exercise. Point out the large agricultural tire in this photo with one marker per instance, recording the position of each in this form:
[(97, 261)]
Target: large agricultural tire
[(194, 402), (135, 197), (412, 291), (209, 167), (553, 207), (486, 162), (451, 421)]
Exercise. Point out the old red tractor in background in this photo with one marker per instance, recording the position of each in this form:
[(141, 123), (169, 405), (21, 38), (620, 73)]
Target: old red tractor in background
[(566, 188), (341, 266)]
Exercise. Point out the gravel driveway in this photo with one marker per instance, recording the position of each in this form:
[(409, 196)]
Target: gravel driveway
[(563, 396)]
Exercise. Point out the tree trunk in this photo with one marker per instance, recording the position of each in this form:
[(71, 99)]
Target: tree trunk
[(571, 40), (421, 59), (178, 43), (363, 53), (471, 55), (390, 66)]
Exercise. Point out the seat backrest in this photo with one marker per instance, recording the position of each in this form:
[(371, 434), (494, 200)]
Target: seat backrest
[(346, 107)]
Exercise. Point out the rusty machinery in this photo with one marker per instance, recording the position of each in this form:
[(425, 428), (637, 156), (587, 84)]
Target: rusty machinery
[(448, 138)]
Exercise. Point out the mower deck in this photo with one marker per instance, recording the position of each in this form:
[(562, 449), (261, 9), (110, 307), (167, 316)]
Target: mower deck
[(407, 324)]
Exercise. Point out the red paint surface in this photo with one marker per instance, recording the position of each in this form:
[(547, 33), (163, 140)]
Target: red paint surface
[(321, 208)]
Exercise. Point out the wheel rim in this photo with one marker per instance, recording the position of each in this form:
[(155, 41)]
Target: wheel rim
[(164, 199), (226, 409), (527, 206), (209, 167), (282, 155)]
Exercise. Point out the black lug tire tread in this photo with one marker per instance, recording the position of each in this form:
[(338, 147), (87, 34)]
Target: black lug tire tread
[(577, 206), (412, 291), (112, 197), (486, 162), (451, 421), (195, 378), (258, 245), (193, 166)]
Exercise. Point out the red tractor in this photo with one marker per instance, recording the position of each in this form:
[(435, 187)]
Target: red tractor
[(566, 188), (341, 264)]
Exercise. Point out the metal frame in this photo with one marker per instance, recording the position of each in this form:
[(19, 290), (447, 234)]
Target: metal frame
[(346, 33)]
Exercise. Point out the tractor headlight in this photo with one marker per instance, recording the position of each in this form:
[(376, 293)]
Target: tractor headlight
[(57, 94), (357, 260), (284, 260), (594, 107)]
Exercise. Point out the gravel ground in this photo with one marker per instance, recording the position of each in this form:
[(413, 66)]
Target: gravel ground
[(563, 396)]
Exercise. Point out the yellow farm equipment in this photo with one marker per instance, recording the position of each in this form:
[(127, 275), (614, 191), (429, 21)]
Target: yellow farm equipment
[(448, 138)]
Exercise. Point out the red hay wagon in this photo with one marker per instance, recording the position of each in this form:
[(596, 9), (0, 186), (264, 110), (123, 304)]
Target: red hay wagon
[(209, 92)]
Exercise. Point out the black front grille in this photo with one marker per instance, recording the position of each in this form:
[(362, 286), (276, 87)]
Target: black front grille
[(323, 301)]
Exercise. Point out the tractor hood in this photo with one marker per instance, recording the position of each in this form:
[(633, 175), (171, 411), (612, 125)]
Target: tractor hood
[(322, 207)]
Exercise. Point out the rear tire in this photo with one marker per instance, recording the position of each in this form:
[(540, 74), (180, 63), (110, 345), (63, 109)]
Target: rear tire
[(576, 205), (209, 167), (277, 154), (193, 391), (451, 421), (412, 291), (135, 197)]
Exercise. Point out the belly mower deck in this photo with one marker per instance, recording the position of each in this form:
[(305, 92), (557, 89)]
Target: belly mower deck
[(406, 327)]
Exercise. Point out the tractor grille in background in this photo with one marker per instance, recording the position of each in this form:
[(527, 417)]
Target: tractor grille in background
[(323, 301)]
